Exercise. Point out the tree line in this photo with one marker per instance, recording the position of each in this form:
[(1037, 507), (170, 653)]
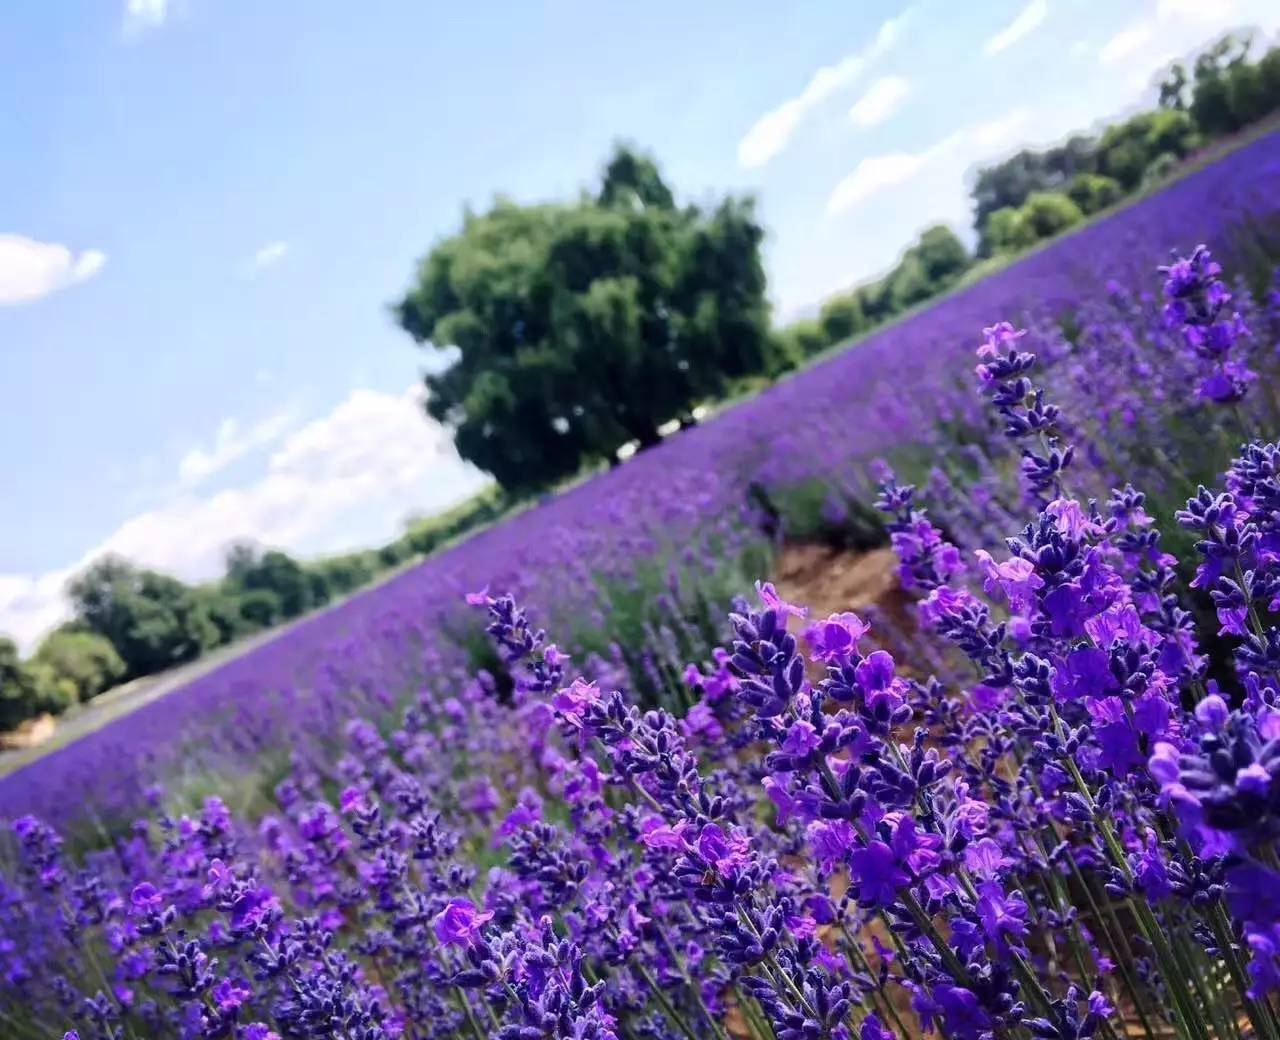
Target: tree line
[(1034, 195), (130, 621)]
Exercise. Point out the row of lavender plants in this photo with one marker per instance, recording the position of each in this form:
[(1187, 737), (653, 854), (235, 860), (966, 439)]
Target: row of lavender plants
[(1066, 831), (635, 569)]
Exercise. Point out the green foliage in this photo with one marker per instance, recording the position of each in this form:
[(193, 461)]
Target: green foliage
[(153, 621), (842, 318), (223, 608), (1228, 91), (278, 573), (341, 575), (1093, 192), (803, 339), (578, 327), (1219, 98), (908, 284), (942, 256), (261, 608), (1008, 184), (19, 697), (1007, 232), (1224, 93), (1043, 215), (812, 511), (81, 663), (933, 264), (1048, 213), (1126, 149), (424, 536), (1159, 169), (1173, 88)]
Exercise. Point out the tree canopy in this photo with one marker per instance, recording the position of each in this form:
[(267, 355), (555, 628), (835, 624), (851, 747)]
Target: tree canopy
[(152, 619), (574, 328), (80, 664)]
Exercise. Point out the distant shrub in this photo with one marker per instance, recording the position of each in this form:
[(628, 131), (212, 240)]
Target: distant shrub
[(1007, 231), (1048, 213), (841, 317), (1161, 167), (1093, 192), (83, 664)]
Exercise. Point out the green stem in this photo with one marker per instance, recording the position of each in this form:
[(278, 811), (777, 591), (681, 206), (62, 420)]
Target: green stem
[(1187, 1019), (676, 1018), (466, 1010), (1260, 1015), (692, 986)]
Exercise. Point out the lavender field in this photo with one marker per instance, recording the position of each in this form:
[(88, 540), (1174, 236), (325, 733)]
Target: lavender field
[(587, 774)]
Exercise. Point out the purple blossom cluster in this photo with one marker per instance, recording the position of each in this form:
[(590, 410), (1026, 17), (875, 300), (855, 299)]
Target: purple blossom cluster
[(1197, 303), (1066, 830), (1047, 811), (636, 568)]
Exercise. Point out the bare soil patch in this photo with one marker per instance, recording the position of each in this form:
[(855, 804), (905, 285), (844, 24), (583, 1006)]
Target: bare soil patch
[(829, 581)]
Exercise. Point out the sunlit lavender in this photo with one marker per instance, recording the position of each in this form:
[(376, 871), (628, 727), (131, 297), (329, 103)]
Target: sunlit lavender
[(591, 774)]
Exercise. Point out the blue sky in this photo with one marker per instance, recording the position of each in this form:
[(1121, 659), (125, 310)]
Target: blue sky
[(206, 205)]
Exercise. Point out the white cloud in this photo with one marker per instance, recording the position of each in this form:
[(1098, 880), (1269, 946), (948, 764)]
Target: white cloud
[(880, 173), (884, 97), (1177, 27), (30, 606), (231, 443), (31, 269), (269, 255), (341, 481), (872, 176), (772, 131), (1193, 10), (145, 14), (1000, 131), (1027, 21), (1126, 43)]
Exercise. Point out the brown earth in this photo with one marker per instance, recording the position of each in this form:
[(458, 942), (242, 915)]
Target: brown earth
[(830, 581), (30, 733)]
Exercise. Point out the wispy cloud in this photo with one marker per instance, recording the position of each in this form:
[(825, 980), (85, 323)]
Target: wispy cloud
[(1126, 43), (1000, 131), (30, 269), (145, 14), (1177, 27), (884, 97), (231, 443), (771, 133), (268, 256), (880, 173), (1027, 21)]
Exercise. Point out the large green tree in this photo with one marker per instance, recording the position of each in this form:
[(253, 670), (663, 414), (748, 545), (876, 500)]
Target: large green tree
[(573, 328)]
